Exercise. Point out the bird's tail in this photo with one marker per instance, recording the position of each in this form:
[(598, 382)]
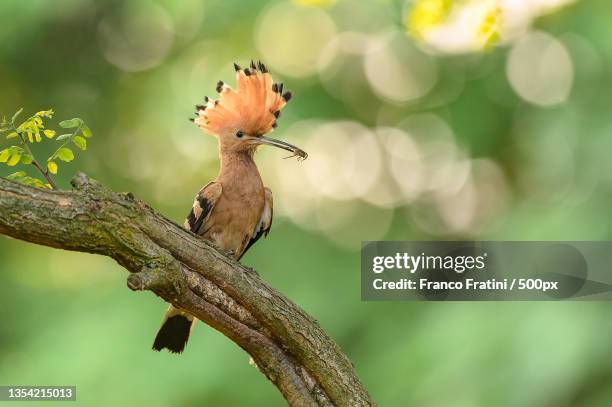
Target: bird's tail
[(174, 332)]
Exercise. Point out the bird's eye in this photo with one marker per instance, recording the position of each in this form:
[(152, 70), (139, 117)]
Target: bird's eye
[(239, 134)]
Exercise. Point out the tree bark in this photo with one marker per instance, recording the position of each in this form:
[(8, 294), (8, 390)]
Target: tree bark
[(288, 345)]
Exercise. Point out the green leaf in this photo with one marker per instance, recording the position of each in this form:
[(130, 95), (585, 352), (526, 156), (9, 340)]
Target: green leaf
[(14, 160), (28, 181), (12, 135), (80, 142), (16, 175), (70, 124), (38, 183), (17, 113), (63, 137), (34, 182), (49, 133), (26, 159), (65, 154), (45, 113), (4, 125), (22, 178), (4, 155), (86, 131), (52, 166)]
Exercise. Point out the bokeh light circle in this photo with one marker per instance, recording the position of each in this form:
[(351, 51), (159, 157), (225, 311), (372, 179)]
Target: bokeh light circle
[(138, 39), (290, 38), (405, 162), (396, 70), (540, 69)]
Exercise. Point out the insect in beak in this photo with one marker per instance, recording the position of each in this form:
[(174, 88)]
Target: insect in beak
[(296, 152)]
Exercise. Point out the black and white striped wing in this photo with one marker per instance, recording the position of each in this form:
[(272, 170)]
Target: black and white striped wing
[(203, 205), (265, 222)]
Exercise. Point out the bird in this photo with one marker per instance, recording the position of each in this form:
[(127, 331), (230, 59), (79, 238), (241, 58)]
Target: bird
[(235, 209)]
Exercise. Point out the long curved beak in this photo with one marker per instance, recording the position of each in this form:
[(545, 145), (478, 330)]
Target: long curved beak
[(297, 152)]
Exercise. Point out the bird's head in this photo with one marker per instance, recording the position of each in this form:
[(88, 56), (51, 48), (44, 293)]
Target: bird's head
[(240, 118)]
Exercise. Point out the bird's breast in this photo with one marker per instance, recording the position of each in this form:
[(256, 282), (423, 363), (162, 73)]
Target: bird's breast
[(235, 216)]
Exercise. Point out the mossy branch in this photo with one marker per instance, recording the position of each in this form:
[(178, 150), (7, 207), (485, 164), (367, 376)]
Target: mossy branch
[(288, 346)]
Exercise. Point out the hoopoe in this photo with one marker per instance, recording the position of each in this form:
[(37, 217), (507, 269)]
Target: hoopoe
[(235, 209)]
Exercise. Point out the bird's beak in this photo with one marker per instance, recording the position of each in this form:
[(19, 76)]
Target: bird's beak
[(297, 152)]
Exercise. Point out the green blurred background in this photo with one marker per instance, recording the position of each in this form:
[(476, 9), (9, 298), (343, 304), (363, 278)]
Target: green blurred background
[(419, 126)]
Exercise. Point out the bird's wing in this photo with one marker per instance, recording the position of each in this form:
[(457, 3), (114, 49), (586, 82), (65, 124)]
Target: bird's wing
[(203, 205), (265, 222)]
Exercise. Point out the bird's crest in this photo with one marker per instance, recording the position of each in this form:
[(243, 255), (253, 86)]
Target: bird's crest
[(252, 108)]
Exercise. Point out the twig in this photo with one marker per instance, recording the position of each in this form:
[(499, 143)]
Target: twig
[(44, 172)]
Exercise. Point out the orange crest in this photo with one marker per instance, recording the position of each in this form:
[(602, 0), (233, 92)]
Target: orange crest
[(253, 108)]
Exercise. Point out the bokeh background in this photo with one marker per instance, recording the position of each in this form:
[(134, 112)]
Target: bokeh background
[(426, 119)]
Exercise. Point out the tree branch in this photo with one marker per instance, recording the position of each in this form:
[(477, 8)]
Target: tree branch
[(288, 346)]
